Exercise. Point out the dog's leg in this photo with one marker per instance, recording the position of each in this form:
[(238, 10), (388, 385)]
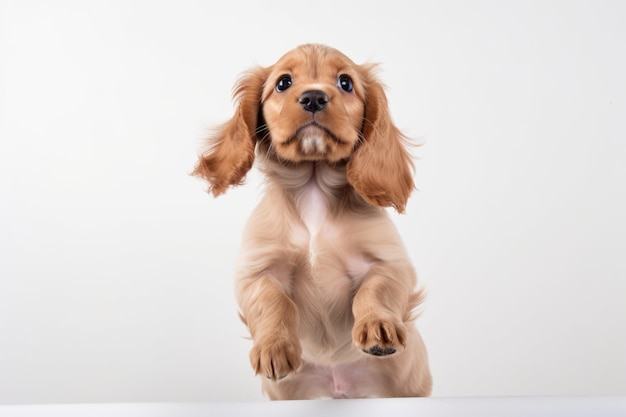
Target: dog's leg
[(273, 319), (380, 308)]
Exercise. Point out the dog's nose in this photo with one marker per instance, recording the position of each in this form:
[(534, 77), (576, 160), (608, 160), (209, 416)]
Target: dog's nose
[(313, 100)]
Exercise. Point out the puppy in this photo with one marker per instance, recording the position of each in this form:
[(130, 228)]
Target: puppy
[(324, 284)]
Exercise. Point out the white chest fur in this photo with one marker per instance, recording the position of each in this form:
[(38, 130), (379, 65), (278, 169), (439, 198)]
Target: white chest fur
[(314, 188), (312, 207)]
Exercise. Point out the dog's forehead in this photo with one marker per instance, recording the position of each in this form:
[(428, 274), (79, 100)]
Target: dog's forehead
[(314, 61)]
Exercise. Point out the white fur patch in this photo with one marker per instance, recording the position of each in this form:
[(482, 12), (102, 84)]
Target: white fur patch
[(313, 144), (312, 207), (313, 211)]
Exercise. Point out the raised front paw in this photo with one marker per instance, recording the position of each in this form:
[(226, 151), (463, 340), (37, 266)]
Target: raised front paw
[(378, 336), (276, 358)]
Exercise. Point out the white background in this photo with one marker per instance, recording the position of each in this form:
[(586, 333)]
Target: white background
[(116, 267)]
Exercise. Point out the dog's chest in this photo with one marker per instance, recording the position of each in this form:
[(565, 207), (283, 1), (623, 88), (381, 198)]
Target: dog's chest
[(331, 263), (334, 260), (328, 241), (313, 209), (317, 228)]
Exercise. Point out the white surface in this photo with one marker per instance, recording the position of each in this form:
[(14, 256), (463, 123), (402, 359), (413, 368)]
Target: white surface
[(116, 267), (424, 407)]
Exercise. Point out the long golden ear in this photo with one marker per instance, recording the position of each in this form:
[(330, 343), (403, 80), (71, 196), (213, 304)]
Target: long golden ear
[(229, 153), (381, 169)]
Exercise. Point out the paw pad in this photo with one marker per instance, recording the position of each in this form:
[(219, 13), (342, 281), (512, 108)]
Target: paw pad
[(378, 351)]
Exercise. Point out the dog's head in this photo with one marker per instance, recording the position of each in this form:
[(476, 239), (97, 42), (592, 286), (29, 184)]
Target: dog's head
[(314, 104)]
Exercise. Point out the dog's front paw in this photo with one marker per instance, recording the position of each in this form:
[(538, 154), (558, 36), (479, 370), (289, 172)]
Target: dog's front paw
[(276, 358), (378, 336)]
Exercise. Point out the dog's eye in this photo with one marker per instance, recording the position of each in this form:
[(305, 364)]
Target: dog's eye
[(283, 83), (345, 83)]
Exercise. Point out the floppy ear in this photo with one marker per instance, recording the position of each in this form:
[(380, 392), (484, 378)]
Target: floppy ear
[(381, 170), (230, 151)]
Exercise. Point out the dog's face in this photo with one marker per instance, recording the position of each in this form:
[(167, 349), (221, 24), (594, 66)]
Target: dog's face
[(313, 104)]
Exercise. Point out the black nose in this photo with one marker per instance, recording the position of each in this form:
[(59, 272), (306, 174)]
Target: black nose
[(313, 100)]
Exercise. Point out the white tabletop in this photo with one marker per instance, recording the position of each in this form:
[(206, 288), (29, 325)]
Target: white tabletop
[(443, 407)]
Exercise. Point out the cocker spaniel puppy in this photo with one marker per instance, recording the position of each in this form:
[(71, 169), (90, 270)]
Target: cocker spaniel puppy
[(324, 283)]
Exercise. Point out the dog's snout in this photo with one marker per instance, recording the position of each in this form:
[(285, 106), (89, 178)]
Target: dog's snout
[(313, 100)]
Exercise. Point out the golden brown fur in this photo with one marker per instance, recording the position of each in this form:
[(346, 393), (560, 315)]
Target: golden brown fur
[(324, 283)]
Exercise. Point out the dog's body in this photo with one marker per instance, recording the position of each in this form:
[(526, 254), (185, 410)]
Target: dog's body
[(324, 283)]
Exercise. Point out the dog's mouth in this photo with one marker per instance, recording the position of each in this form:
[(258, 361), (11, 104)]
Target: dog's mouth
[(311, 140), (312, 137)]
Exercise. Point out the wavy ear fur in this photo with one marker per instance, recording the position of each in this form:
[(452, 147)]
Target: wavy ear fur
[(381, 169), (230, 151)]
